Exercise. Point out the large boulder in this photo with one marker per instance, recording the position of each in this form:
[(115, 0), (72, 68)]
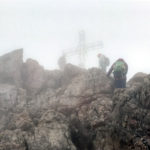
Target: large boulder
[(12, 98), (52, 133), (53, 79), (12, 101), (21, 121), (10, 67), (130, 122), (137, 79), (33, 76), (81, 87), (12, 140)]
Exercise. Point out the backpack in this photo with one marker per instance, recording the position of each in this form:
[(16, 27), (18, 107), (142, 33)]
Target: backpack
[(119, 69)]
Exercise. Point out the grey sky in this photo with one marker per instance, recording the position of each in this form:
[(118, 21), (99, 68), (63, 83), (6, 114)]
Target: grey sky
[(45, 27)]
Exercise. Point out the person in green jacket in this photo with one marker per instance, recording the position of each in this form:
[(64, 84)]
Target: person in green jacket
[(119, 69)]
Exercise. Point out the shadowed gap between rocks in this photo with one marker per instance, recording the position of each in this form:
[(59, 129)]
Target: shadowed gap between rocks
[(82, 135)]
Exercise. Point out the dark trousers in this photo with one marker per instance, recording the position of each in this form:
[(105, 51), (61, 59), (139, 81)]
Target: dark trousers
[(120, 83), (120, 80)]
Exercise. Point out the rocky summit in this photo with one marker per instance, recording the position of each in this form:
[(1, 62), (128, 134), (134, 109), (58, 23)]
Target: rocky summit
[(70, 109)]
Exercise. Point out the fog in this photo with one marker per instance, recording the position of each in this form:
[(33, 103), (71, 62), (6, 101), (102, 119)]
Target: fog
[(45, 28)]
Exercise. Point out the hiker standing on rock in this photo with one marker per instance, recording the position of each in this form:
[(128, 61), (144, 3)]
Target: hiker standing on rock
[(62, 62), (120, 69), (103, 62)]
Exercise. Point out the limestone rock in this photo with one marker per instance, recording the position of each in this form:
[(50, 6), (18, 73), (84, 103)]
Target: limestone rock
[(12, 100), (53, 79), (33, 76), (70, 109), (51, 133), (12, 140), (137, 79), (10, 67), (131, 117), (21, 121)]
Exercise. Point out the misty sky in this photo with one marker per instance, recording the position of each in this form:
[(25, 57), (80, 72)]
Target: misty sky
[(44, 28)]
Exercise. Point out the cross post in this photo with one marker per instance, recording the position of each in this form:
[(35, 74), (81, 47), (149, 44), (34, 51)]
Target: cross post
[(83, 48)]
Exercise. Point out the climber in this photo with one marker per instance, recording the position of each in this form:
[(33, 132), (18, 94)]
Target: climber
[(103, 62), (120, 69), (62, 61)]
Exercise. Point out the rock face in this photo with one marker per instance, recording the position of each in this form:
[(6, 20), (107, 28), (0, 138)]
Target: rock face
[(33, 76), (138, 79), (10, 67), (73, 109), (131, 117)]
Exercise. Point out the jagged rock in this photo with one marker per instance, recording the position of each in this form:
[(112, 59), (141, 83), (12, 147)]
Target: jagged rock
[(71, 71), (12, 100), (131, 117), (138, 78), (33, 76), (10, 67), (84, 86), (51, 133), (53, 79), (12, 140), (96, 112), (21, 121), (71, 95), (59, 79), (71, 109)]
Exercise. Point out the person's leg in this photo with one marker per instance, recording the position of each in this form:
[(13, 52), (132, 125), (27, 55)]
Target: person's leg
[(123, 81), (103, 68), (117, 83)]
